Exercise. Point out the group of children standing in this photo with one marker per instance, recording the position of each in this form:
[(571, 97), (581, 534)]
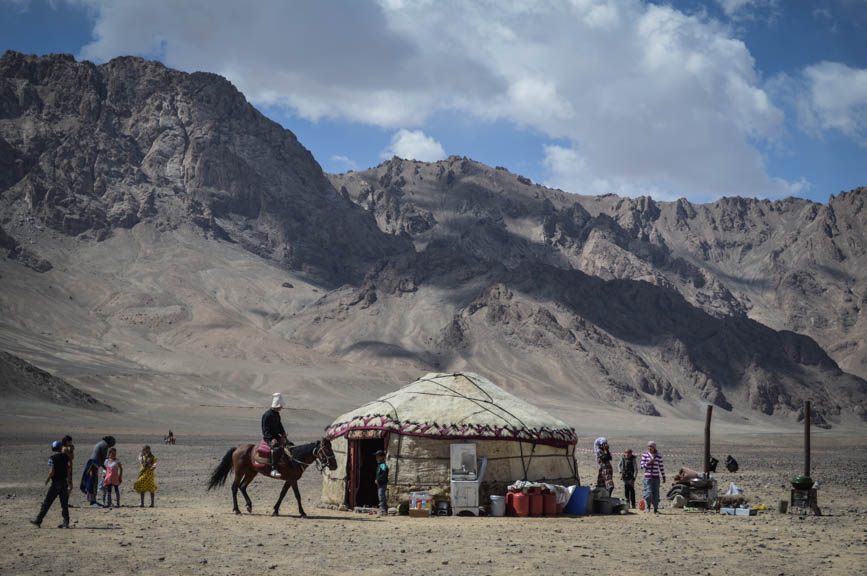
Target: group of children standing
[(103, 471), (651, 462)]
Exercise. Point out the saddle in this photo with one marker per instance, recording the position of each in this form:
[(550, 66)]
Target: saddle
[(262, 455)]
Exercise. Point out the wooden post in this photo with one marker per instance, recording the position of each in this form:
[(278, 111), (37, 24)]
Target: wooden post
[(807, 438), (707, 441)]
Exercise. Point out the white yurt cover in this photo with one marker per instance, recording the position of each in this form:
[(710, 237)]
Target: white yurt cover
[(456, 406)]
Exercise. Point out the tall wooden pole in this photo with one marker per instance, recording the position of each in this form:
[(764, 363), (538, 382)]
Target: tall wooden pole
[(707, 441), (807, 438)]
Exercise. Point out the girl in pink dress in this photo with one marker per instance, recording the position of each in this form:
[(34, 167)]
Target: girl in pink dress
[(113, 475)]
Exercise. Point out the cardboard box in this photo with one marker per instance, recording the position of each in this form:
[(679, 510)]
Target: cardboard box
[(425, 513), (737, 511)]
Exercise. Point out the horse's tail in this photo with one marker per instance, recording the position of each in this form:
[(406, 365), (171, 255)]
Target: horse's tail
[(221, 472)]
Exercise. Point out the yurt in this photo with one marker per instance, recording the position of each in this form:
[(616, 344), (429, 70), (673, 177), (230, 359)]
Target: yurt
[(416, 425)]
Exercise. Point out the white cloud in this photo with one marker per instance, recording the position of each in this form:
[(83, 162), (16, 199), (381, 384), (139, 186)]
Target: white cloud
[(748, 9), (343, 162), (649, 95), (828, 96), (838, 99), (414, 145)]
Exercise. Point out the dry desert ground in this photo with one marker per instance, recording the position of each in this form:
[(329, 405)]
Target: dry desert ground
[(193, 531)]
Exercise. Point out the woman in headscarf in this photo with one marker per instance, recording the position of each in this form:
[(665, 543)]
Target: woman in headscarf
[(90, 477), (605, 479)]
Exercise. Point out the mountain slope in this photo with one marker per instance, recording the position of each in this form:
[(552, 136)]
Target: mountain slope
[(87, 149), (791, 264), (167, 247)]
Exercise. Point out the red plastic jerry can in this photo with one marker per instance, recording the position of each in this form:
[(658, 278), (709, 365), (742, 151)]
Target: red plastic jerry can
[(521, 502), (549, 504), (535, 504)]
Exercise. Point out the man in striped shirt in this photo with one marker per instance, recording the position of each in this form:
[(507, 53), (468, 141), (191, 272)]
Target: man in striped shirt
[(654, 469)]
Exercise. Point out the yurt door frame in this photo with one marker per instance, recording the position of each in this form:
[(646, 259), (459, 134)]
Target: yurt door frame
[(361, 460)]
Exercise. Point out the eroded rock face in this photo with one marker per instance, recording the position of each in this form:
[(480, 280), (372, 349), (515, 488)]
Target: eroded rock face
[(87, 149), (791, 264)]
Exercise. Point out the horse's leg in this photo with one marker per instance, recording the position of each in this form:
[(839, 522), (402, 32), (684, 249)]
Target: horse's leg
[(235, 485), (298, 499), (280, 499), (244, 483)]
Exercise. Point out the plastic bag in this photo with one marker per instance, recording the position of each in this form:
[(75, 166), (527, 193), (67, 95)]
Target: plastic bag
[(734, 489)]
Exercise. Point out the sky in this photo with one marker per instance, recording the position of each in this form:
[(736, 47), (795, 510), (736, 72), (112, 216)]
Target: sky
[(688, 98)]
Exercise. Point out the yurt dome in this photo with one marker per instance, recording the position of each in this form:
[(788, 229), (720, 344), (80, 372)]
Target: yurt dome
[(416, 424)]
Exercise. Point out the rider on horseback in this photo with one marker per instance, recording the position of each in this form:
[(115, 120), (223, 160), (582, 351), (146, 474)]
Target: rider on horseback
[(273, 432)]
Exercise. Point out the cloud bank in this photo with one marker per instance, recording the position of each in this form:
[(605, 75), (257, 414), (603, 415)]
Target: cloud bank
[(414, 145), (642, 98)]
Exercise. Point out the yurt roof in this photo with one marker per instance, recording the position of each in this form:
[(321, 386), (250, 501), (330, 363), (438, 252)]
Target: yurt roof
[(456, 406)]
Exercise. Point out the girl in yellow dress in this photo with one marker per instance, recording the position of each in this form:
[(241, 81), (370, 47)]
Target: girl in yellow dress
[(145, 481)]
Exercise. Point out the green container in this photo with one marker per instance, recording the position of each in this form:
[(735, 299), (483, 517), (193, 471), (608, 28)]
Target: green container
[(802, 482)]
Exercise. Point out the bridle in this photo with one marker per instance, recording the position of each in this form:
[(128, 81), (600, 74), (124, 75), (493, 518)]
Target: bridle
[(320, 458)]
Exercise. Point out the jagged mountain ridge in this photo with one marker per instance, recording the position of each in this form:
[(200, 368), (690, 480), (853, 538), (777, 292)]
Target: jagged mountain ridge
[(86, 149), (791, 264), (131, 154)]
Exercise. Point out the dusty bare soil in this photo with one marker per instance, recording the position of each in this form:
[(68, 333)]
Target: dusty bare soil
[(192, 531)]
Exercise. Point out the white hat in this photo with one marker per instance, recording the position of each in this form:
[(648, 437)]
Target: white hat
[(276, 400)]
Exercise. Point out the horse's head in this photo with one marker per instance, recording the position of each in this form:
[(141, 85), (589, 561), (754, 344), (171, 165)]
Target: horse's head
[(325, 455)]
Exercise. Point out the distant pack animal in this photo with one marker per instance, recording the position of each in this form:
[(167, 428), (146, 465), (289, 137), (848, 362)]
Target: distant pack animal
[(731, 464)]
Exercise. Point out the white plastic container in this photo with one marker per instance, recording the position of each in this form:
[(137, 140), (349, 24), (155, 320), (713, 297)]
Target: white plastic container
[(498, 505)]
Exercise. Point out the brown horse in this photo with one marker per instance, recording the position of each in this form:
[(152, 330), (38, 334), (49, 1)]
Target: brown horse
[(291, 468)]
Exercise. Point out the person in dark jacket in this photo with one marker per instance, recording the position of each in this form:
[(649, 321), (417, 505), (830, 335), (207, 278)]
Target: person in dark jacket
[(90, 477), (627, 468), (273, 433), (60, 477), (382, 481)]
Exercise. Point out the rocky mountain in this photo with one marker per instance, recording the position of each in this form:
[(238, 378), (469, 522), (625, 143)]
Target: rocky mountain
[(790, 264), (87, 149), (646, 302), (162, 237)]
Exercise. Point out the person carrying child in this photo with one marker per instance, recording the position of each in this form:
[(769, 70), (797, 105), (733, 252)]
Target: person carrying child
[(60, 477), (146, 477), (382, 481), (627, 469), (113, 476)]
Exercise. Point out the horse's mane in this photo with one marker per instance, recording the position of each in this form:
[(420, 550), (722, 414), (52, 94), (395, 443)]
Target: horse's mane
[(304, 450)]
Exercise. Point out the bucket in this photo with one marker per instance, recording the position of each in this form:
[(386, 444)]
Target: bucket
[(498, 505), (602, 506), (578, 502)]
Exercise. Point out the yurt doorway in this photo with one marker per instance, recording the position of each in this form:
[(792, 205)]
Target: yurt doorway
[(362, 485)]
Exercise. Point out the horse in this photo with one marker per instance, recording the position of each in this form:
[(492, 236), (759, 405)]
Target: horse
[(240, 460)]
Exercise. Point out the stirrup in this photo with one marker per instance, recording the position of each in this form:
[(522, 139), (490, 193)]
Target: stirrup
[(275, 473)]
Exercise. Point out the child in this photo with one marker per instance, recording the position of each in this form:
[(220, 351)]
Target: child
[(627, 471), (68, 448), (113, 475), (60, 476), (103, 489), (382, 481), (146, 481)]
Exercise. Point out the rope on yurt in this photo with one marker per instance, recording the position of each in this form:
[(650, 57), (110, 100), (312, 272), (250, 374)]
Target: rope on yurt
[(397, 458), (475, 401), (530, 461), (573, 464)]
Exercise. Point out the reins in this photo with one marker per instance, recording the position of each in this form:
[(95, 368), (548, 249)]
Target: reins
[(319, 458)]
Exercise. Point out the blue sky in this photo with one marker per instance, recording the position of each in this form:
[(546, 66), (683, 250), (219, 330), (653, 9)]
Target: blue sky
[(689, 98)]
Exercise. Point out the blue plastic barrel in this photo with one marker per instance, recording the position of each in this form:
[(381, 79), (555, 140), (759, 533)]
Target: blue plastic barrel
[(578, 502)]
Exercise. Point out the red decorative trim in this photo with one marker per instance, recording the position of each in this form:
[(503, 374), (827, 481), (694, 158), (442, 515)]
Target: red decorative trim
[(549, 436)]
